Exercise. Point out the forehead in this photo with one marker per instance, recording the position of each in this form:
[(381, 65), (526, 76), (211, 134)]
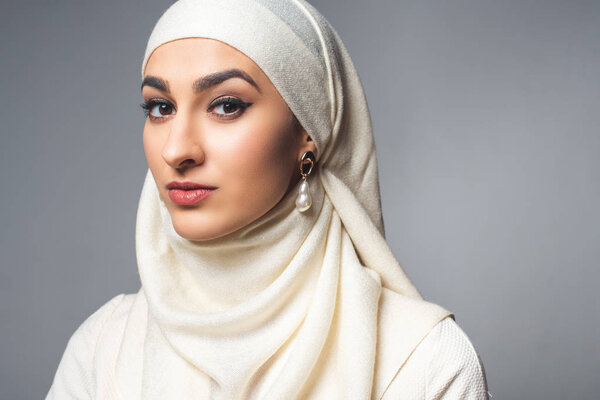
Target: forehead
[(191, 57)]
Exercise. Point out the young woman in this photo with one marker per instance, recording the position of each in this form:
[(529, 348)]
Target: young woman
[(265, 272)]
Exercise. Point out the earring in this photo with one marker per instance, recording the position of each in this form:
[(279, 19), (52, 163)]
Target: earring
[(304, 199)]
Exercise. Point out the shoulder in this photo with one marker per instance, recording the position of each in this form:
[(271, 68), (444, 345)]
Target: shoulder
[(113, 311), (454, 369), (74, 375), (403, 323), (445, 365), (116, 307)]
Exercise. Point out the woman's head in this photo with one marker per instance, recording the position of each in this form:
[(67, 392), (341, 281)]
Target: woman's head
[(302, 56), (291, 46), (215, 119)]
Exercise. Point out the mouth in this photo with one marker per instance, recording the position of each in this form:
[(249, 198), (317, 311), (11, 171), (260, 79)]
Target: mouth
[(189, 193)]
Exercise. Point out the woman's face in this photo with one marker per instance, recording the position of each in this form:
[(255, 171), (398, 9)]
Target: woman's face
[(217, 124)]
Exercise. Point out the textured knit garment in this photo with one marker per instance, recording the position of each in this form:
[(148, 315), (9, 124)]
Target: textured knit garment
[(295, 305), (443, 366)]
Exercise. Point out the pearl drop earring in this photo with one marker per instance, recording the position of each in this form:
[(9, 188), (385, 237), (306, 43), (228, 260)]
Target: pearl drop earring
[(304, 199)]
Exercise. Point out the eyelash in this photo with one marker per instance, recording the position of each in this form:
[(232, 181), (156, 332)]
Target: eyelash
[(241, 106), (147, 106)]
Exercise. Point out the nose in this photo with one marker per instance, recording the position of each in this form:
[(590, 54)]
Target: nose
[(183, 149)]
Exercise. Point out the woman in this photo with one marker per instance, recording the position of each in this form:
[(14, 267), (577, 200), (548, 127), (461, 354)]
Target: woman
[(265, 273)]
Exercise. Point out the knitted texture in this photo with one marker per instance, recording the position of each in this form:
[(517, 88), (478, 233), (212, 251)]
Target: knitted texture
[(444, 365), (294, 305)]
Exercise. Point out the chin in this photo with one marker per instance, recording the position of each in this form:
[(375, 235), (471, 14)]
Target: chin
[(208, 224), (188, 228), (190, 231)]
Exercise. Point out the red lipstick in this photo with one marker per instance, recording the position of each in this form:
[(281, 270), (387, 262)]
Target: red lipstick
[(189, 193)]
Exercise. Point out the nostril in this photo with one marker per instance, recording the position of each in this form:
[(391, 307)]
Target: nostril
[(188, 162)]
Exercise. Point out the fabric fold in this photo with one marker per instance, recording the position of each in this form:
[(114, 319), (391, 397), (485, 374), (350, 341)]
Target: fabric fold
[(294, 305)]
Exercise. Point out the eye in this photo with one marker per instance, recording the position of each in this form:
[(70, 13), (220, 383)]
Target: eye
[(157, 109), (228, 107)]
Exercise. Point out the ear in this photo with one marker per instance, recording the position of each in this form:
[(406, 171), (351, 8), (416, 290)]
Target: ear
[(306, 144)]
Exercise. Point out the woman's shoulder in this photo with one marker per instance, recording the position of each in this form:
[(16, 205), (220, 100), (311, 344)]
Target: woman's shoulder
[(443, 365), (113, 311), (74, 374)]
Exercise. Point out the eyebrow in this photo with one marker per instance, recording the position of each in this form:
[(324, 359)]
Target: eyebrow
[(203, 83)]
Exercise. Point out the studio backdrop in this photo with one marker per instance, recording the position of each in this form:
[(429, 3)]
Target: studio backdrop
[(486, 122)]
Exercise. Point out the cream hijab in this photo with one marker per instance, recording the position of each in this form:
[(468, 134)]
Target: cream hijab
[(292, 305)]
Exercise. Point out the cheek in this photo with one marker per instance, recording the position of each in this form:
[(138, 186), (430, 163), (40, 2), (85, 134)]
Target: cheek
[(259, 162), (153, 144)]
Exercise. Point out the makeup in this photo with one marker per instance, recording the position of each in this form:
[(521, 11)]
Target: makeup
[(189, 197), (188, 193)]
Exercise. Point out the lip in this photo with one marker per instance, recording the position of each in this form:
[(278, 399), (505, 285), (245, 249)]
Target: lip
[(188, 186), (189, 193)]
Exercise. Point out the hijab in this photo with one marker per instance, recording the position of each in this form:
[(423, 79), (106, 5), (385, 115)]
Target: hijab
[(289, 306)]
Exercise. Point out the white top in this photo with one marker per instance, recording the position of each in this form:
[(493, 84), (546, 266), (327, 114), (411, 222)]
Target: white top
[(306, 305), (444, 365)]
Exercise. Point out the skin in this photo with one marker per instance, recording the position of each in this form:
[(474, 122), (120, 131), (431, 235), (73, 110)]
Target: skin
[(250, 154)]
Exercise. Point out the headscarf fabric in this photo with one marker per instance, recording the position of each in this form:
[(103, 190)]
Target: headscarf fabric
[(290, 306)]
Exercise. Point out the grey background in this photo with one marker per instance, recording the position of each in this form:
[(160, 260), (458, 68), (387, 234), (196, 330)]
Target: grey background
[(486, 115)]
